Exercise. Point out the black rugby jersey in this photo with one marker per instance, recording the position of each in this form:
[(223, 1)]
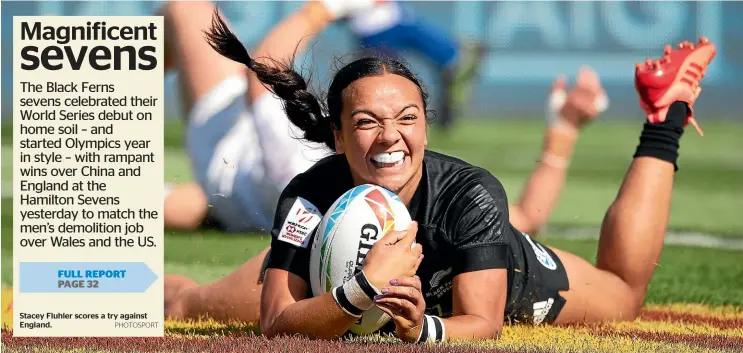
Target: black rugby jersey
[(463, 225)]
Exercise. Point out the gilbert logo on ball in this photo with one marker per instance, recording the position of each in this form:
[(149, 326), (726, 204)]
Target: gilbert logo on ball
[(349, 229)]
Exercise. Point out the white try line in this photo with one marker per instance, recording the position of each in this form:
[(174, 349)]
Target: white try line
[(673, 237)]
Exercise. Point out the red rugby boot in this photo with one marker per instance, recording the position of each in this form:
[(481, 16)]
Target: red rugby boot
[(674, 77)]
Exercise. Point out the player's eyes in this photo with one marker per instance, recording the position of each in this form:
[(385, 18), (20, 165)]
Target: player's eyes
[(365, 123)]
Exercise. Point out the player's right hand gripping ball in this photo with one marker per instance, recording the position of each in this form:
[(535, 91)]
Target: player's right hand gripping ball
[(674, 77)]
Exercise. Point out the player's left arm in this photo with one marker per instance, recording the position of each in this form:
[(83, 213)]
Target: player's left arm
[(479, 302), (477, 226), (480, 240)]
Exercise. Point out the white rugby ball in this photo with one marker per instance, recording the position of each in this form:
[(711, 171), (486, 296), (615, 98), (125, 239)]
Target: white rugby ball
[(349, 228)]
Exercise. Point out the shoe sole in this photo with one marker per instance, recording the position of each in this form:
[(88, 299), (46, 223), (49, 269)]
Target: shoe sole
[(690, 73), (693, 69)]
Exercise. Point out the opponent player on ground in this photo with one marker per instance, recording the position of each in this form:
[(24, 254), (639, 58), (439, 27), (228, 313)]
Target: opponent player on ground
[(376, 122), (393, 29), (567, 112), (242, 148), (243, 154)]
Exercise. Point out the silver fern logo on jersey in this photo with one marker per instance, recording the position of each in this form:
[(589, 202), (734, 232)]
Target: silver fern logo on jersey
[(438, 276), (438, 286)]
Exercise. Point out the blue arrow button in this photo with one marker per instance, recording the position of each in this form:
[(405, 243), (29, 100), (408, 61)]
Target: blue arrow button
[(85, 277)]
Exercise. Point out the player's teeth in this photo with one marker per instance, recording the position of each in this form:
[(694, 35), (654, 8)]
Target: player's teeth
[(389, 158)]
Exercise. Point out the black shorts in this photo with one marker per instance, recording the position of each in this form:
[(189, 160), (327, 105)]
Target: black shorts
[(540, 276)]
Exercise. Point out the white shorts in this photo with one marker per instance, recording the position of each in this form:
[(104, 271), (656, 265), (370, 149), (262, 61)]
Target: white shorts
[(243, 156)]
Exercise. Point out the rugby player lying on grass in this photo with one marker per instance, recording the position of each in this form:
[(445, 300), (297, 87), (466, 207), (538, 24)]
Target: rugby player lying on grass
[(237, 296), (376, 122), (376, 110), (239, 141)]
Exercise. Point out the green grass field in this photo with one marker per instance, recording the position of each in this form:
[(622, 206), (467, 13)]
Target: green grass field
[(707, 199)]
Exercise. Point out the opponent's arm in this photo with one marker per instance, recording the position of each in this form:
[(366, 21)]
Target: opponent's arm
[(567, 115), (292, 34), (287, 38)]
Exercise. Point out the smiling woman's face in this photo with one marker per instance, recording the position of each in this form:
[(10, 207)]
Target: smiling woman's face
[(383, 132)]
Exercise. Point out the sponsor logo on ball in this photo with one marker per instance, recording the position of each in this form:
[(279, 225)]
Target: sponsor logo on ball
[(369, 233)]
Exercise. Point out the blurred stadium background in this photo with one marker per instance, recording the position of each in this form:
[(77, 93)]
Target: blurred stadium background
[(528, 43)]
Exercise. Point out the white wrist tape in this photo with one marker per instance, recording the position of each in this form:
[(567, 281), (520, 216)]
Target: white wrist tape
[(356, 295), (554, 103), (433, 330), (602, 103), (557, 100), (343, 8)]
